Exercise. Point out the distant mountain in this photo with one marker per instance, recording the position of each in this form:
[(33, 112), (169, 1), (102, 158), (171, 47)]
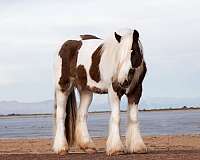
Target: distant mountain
[(99, 103), (10, 107), (156, 103)]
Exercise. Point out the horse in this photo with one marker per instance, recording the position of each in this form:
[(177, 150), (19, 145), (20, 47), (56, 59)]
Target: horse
[(113, 66)]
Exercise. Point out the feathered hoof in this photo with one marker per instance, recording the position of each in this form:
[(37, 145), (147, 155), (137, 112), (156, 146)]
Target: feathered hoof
[(88, 148), (115, 151), (139, 149), (62, 151)]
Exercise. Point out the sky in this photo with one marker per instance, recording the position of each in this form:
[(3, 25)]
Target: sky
[(31, 33)]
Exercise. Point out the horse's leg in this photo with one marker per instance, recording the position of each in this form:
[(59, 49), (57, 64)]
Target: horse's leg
[(114, 144), (60, 143), (83, 139), (134, 141)]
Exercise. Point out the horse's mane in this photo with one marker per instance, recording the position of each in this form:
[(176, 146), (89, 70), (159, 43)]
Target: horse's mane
[(113, 52)]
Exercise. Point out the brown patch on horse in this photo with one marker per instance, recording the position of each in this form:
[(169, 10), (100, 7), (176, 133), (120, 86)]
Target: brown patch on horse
[(94, 68), (138, 70), (132, 82), (81, 78), (140, 73), (143, 73), (136, 58), (118, 88), (97, 90), (68, 54), (129, 79), (136, 55), (88, 36), (135, 96)]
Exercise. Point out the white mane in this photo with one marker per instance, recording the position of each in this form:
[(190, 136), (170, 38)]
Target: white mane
[(115, 57)]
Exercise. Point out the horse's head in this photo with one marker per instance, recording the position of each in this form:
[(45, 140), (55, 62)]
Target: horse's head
[(130, 53)]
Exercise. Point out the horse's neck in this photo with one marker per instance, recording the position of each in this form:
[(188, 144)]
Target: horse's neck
[(109, 62), (116, 59)]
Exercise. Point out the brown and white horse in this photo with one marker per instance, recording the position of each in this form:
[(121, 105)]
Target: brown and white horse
[(114, 66)]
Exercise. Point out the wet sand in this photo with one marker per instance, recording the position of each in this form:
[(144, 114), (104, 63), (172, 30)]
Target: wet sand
[(159, 147)]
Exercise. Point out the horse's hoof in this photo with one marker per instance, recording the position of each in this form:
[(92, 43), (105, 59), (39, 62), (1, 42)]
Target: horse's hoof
[(88, 147), (139, 149), (115, 152), (118, 153), (90, 150), (62, 152), (142, 150)]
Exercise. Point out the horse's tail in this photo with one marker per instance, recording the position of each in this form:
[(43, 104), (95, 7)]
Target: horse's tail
[(54, 114), (70, 121)]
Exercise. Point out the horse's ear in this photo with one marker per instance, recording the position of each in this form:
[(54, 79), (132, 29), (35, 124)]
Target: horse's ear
[(118, 37), (135, 36)]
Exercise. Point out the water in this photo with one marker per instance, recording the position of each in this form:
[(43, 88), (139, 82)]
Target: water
[(151, 123)]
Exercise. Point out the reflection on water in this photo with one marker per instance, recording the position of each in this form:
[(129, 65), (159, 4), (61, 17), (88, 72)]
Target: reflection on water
[(151, 123)]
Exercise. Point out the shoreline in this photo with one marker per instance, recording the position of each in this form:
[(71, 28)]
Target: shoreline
[(102, 137), (102, 112)]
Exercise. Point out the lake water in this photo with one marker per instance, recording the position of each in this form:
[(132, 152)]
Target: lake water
[(151, 123)]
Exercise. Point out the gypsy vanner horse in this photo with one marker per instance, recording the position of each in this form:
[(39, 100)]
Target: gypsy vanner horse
[(114, 66)]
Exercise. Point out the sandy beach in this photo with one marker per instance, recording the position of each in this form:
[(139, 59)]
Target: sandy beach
[(159, 147)]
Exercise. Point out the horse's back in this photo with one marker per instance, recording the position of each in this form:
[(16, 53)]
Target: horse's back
[(78, 56), (87, 49)]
